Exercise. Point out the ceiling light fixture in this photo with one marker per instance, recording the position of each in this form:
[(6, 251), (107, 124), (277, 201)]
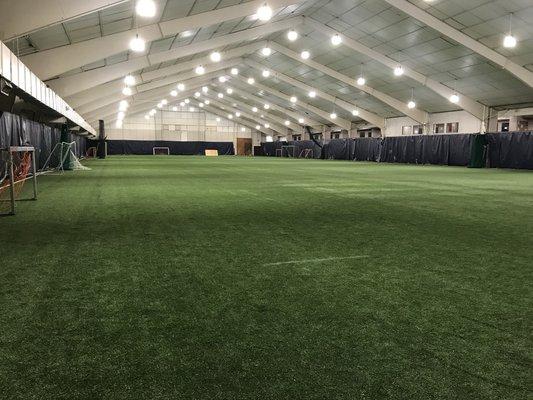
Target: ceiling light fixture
[(287, 123), (301, 120), (145, 8), (127, 91), (235, 71), (129, 80), (312, 94), (509, 41), (174, 108), (293, 99), (336, 39), (264, 13), (333, 115), (292, 35), (305, 54), (361, 80), (200, 70), (454, 98), (398, 71), (266, 73), (222, 79), (412, 103), (181, 87), (174, 93), (215, 56), (229, 90), (205, 89), (266, 51), (251, 81), (137, 44)]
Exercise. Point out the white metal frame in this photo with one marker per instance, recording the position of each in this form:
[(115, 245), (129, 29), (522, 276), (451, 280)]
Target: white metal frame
[(160, 148)]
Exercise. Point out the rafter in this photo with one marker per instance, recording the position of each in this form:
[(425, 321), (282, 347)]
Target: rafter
[(366, 115), (418, 115), (341, 122), (410, 9), (244, 108), (23, 17), (51, 63), (466, 103)]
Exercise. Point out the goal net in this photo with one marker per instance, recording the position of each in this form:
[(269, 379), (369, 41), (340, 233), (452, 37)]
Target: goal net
[(63, 158), (161, 151), (17, 166)]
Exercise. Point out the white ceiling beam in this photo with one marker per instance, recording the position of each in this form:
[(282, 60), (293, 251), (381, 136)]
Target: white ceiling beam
[(164, 86), (413, 11), (251, 34), (153, 96), (283, 110), (109, 88), (145, 105), (48, 64), (245, 109), (192, 22), (341, 122), (466, 103), (205, 61), (51, 63), (22, 17), (72, 84), (366, 115), (230, 109), (215, 67), (416, 114), (96, 93), (262, 129), (100, 103)]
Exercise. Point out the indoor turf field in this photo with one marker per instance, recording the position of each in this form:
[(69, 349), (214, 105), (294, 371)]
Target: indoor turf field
[(261, 278)]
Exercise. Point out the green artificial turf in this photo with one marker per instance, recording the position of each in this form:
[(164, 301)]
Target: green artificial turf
[(186, 278)]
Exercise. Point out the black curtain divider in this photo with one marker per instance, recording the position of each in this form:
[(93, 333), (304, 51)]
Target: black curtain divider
[(269, 148), (339, 149), (367, 149), (145, 147), (16, 130), (510, 150)]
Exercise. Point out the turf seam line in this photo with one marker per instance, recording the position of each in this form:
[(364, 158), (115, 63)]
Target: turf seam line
[(316, 260)]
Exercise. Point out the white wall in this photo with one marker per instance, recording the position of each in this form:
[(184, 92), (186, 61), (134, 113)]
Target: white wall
[(467, 123), (181, 125)]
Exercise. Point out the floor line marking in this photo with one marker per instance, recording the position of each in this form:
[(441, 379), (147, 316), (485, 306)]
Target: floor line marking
[(312, 260)]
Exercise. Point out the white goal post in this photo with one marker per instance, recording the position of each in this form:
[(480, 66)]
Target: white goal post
[(158, 151)]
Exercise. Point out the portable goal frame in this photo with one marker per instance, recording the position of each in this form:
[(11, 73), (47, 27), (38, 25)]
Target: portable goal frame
[(161, 151), (10, 170)]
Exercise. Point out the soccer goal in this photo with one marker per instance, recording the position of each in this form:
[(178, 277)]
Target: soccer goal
[(161, 151), (17, 165), (63, 158), (288, 151)]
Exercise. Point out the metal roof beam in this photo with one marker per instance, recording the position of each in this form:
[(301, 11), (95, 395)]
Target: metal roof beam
[(410, 9), (366, 115), (418, 115), (466, 103)]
